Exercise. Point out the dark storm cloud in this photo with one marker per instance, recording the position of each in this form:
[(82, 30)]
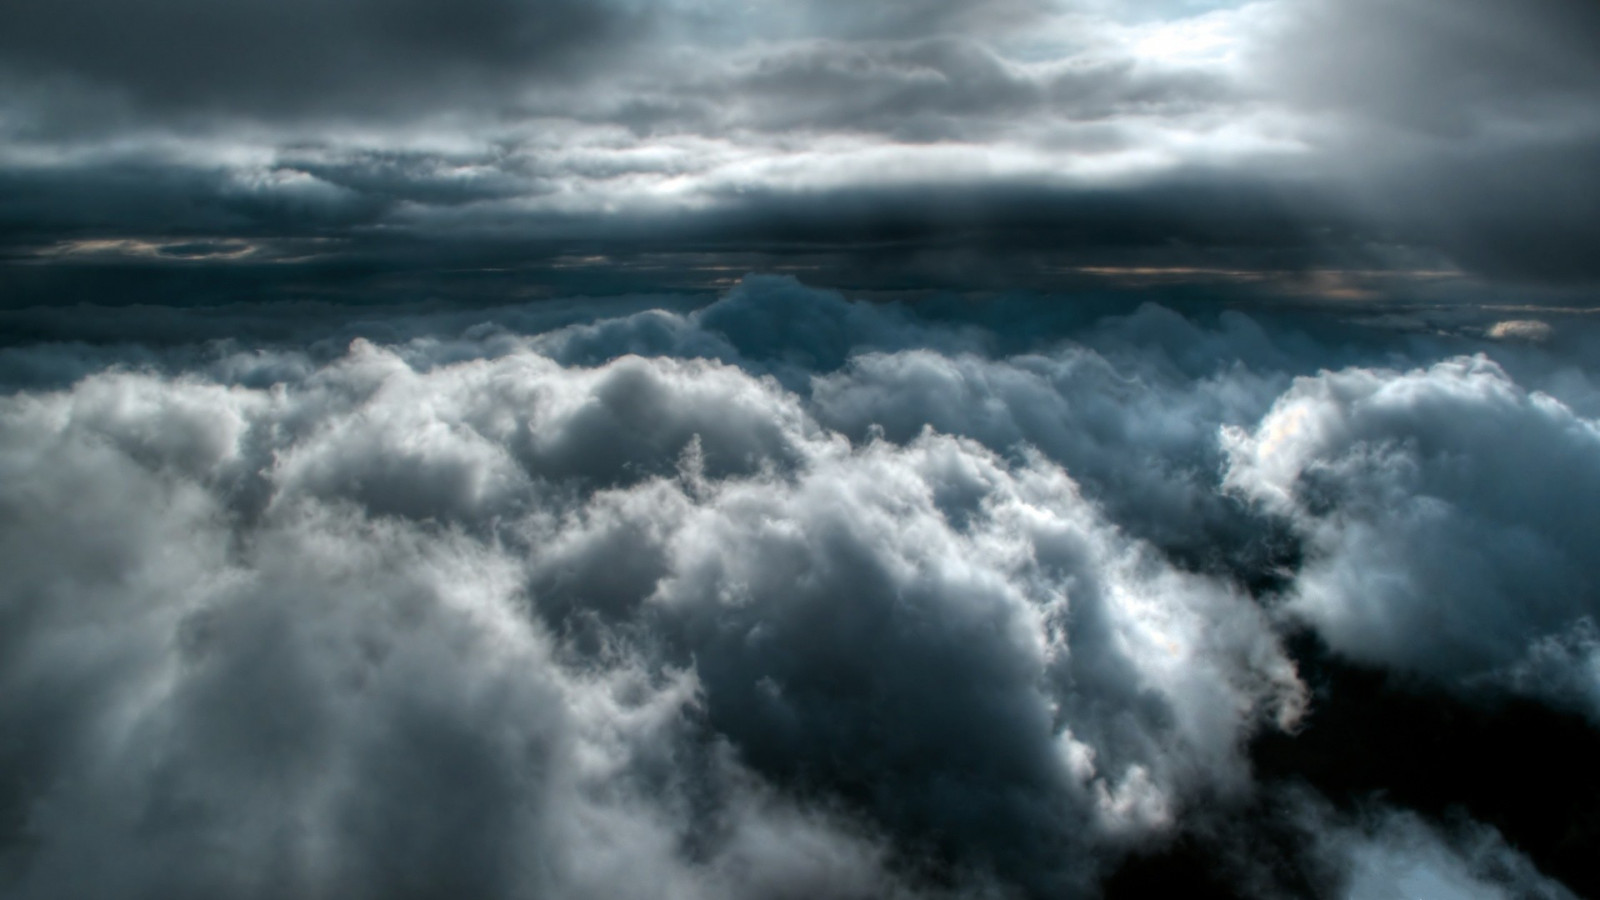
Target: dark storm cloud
[(414, 225), (1519, 208), (422, 178), (1204, 214), (308, 196), (1470, 127), (151, 198), (301, 57), (969, 140)]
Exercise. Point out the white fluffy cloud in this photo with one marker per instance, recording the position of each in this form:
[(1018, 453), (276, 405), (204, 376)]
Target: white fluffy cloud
[(816, 598), (1449, 517), (508, 627), (215, 697)]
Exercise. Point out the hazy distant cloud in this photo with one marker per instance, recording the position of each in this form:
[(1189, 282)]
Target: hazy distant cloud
[(1454, 70), (1466, 126), (1521, 330)]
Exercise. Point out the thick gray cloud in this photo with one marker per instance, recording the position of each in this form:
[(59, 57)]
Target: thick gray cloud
[(923, 17), (1445, 69), (350, 547), (299, 58), (1468, 126), (952, 87), (1447, 513), (950, 143)]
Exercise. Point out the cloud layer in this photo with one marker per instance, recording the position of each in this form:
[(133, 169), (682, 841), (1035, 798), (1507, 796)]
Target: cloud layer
[(781, 596), (1318, 148)]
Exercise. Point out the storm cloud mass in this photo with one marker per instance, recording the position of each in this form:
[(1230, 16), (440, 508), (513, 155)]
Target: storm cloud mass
[(253, 149), (694, 449)]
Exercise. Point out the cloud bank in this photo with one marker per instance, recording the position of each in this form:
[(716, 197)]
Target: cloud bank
[(1329, 150), (785, 595)]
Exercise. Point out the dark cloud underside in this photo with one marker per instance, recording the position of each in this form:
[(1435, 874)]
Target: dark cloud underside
[(1286, 135)]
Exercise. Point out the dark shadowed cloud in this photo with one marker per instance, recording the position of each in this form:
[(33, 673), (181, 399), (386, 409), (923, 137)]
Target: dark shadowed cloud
[(1291, 135)]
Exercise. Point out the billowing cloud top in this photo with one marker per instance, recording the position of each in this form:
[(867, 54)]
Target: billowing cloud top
[(790, 596), (1307, 146)]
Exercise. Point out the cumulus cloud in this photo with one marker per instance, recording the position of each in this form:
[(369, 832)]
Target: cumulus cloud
[(1446, 512), (1085, 407), (350, 546), (781, 595), (310, 694), (494, 626)]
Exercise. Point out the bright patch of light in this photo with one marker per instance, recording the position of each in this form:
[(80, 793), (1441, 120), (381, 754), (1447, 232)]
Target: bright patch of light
[(1212, 39)]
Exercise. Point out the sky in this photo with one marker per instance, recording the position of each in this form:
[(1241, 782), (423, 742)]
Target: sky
[(930, 450), (1321, 148)]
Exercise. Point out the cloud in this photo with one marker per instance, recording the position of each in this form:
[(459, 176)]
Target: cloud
[(1395, 855), (1521, 329), (494, 625), (786, 595), (1444, 509), (234, 697), (1140, 435), (951, 144), (1445, 70), (919, 17), (1466, 127), (829, 625), (304, 58)]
